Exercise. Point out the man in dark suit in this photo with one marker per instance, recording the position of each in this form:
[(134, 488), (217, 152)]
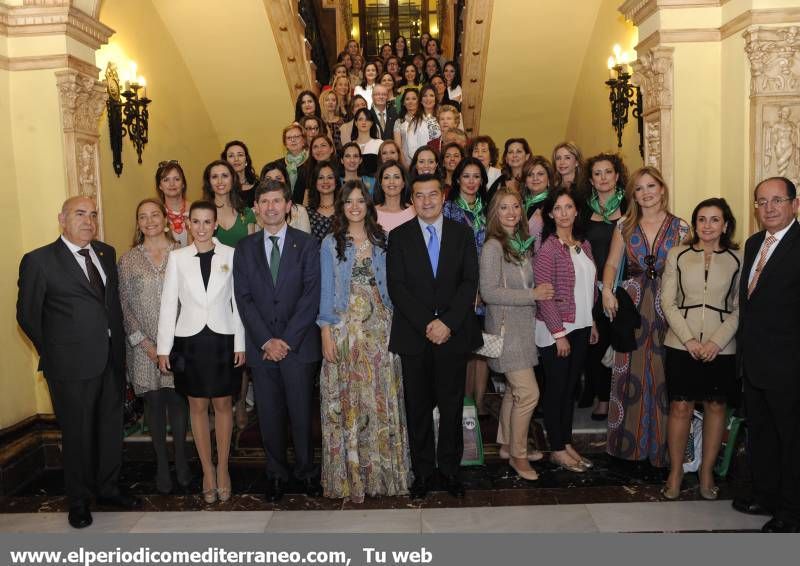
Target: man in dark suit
[(68, 305), (767, 348), (383, 111), (276, 279), (432, 269)]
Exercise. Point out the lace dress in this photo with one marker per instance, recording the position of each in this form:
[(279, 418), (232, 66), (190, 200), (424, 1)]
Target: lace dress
[(364, 438)]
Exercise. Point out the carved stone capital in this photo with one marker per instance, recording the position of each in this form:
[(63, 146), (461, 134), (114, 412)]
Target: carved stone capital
[(774, 61), (652, 71), (53, 17), (82, 99)]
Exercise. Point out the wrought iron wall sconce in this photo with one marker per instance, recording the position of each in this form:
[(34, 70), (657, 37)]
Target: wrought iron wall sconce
[(127, 113), (624, 97)]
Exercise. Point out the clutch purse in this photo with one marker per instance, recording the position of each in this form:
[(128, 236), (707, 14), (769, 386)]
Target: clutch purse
[(492, 345)]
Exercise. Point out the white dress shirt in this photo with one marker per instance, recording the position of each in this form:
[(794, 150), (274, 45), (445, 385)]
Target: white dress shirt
[(778, 236), (74, 248), (437, 225)]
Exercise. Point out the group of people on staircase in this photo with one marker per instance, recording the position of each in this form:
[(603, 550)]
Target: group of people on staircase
[(371, 266)]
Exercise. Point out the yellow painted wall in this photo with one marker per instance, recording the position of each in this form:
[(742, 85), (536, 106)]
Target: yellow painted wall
[(697, 122), (535, 56), (589, 122), (180, 126)]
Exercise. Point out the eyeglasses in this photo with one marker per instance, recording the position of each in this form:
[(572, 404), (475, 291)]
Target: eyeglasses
[(170, 162), (774, 201), (650, 262), (294, 138), (311, 129)]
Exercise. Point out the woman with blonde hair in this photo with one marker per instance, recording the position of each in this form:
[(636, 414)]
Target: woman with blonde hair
[(507, 289), (637, 414), (332, 115), (568, 163), (141, 278)]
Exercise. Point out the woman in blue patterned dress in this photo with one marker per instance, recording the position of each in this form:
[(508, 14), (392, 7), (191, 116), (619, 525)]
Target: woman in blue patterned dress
[(638, 407), (467, 203)]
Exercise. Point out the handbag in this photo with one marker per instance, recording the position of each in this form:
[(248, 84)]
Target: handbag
[(493, 343), (628, 319)]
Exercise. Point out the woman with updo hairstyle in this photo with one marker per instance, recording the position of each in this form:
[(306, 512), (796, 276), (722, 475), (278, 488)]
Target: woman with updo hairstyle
[(298, 215), (568, 164), (507, 289), (294, 140), (386, 79), (638, 405), (434, 51), (141, 278), (201, 339), (603, 195), (392, 196), (234, 219), (237, 154), (365, 449), (394, 68), (307, 104), (171, 190), (411, 80)]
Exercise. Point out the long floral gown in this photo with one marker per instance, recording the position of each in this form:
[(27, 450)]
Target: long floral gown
[(638, 406), (364, 437)]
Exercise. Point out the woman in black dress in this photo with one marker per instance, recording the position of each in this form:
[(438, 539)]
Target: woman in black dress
[(204, 344), (603, 195)]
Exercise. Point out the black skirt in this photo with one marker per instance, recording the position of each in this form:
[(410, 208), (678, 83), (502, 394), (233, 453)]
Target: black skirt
[(208, 370), (692, 380)]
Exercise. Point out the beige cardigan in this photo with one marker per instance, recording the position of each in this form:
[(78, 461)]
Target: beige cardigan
[(699, 309)]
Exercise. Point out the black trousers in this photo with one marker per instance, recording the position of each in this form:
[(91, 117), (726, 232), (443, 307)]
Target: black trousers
[(562, 375), (598, 376), (773, 421), (89, 412), (434, 379), (284, 394)]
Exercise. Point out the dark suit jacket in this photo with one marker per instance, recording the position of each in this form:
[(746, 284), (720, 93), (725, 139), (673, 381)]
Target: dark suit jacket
[(386, 133), (286, 310), (768, 339), (67, 321), (419, 298)]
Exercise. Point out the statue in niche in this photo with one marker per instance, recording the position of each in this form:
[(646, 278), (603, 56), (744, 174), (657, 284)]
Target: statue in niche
[(781, 147)]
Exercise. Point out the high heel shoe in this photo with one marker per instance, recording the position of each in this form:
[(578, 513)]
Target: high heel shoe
[(527, 475), (577, 467), (709, 493), (210, 494), (224, 493), (586, 463)]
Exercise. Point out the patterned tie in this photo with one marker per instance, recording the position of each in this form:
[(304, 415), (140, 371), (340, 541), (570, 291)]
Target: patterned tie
[(433, 248), (274, 259), (382, 120), (95, 279), (762, 259)]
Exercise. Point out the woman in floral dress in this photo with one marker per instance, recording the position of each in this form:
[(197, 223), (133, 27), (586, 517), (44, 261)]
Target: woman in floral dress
[(364, 438)]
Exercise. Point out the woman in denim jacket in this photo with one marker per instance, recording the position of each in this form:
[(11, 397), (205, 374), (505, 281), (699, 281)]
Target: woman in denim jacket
[(364, 438)]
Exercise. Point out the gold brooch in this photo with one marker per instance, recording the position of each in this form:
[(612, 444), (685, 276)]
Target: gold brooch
[(224, 268)]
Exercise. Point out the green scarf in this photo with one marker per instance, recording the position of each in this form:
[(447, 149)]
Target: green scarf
[(519, 245), (476, 210), (292, 163), (611, 206), (530, 199)]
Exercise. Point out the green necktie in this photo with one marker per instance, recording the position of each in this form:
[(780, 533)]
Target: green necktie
[(274, 259)]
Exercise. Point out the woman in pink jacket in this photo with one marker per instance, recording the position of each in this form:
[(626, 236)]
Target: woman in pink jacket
[(564, 326)]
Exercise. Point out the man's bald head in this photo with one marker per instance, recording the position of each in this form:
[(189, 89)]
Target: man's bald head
[(78, 220)]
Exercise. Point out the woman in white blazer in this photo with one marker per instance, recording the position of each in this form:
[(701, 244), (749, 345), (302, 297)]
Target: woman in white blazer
[(204, 344)]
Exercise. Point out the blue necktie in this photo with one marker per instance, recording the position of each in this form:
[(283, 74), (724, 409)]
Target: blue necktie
[(433, 248)]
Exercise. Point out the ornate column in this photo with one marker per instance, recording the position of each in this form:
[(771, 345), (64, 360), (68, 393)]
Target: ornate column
[(652, 71), (774, 102), (82, 99)]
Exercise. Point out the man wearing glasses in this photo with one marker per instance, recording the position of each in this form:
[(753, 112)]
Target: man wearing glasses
[(768, 346)]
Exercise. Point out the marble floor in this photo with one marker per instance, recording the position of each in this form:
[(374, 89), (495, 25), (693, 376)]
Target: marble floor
[(681, 516)]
